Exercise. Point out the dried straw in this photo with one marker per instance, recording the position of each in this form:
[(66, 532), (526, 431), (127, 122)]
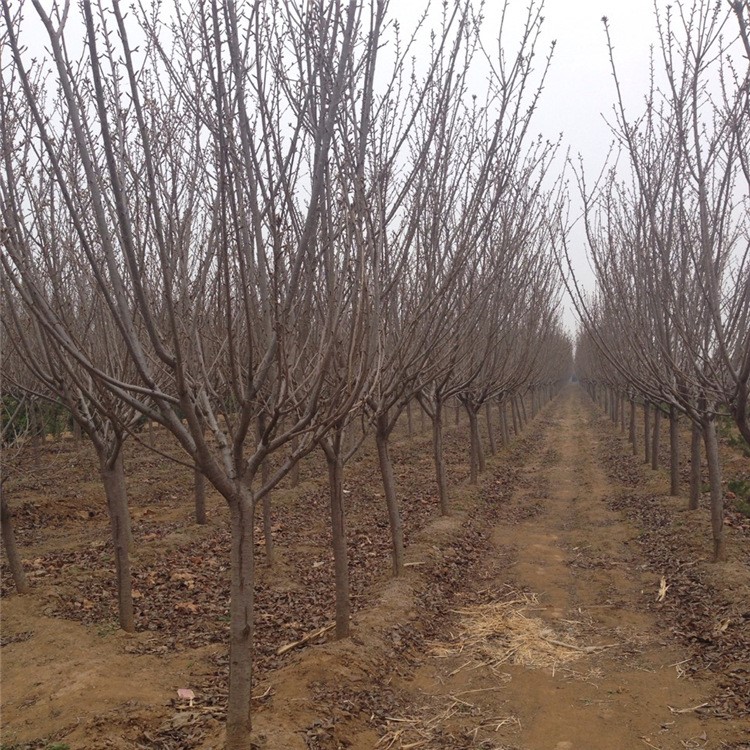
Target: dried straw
[(504, 633)]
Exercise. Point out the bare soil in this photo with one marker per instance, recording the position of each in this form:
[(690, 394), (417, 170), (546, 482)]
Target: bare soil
[(567, 603)]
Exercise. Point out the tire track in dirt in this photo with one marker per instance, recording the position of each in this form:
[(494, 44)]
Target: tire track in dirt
[(557, 650)]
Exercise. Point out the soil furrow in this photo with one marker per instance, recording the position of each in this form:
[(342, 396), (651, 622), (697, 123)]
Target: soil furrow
[(559, 649)]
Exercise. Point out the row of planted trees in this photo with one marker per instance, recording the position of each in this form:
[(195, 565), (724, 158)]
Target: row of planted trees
[(668, 326), (264, 227)]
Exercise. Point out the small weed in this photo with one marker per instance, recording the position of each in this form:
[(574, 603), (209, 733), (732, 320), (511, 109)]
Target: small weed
[(741, 490), (106, 629), (738, 442), (740, 487), (725, 426), (58, 746), (728, 431)]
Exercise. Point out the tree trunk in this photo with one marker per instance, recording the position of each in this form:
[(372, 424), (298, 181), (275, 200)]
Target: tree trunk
[(633, 431), (674, 452), (622, 414), (338, 531), (294, 472), (647, 430), (504, 422), (695, 466), (490, 428), (656, 439), (477, 464), (11, 551), (409, 419), (389, 488), (36, 423), (113, 478), (458, 414), (739, 409), (77, 431), (437, 446), (267, 523), (199, 484), (151, 434), (356, 436), (265, 471), (615, 407), (239, 722), (717, 495), (525, 419)]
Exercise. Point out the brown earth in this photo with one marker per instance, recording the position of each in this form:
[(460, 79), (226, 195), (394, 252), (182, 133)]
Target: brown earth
[(529, 619)]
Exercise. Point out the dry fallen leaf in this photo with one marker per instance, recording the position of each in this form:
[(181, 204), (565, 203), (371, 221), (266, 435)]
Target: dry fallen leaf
[(662, 595)]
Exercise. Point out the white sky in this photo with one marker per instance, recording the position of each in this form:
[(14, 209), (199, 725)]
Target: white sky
[(579, 91)]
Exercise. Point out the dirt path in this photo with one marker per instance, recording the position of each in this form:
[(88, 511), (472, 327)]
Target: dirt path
[(557, 650)]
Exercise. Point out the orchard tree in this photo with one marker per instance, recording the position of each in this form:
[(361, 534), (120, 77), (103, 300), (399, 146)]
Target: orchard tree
[(194, 171), (669, 243)]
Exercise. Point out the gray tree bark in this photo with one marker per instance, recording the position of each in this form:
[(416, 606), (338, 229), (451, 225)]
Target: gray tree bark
[(11, 550), (656, 439), (294, 472), (504, 421), (674, 451), (439, 458), (477, 462), (522, 412), (389, 488), (113, 479), (514, 414), (241, 624), (490, 428), (199, 485), (695, 466), (338, 532), (265, 471), (717, 495)]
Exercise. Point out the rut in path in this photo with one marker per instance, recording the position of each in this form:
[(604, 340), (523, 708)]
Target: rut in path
[(561, 652)]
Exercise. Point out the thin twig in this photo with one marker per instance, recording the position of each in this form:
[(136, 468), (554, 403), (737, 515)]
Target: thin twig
[(687, 710)]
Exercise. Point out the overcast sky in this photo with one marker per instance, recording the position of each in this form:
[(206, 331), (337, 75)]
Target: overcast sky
[(579, 91), (580, 86)]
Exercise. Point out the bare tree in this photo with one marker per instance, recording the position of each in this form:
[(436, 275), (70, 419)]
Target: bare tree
[(44, 369), (156, 157), (667, 244), (14, 430), (251, 219)]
